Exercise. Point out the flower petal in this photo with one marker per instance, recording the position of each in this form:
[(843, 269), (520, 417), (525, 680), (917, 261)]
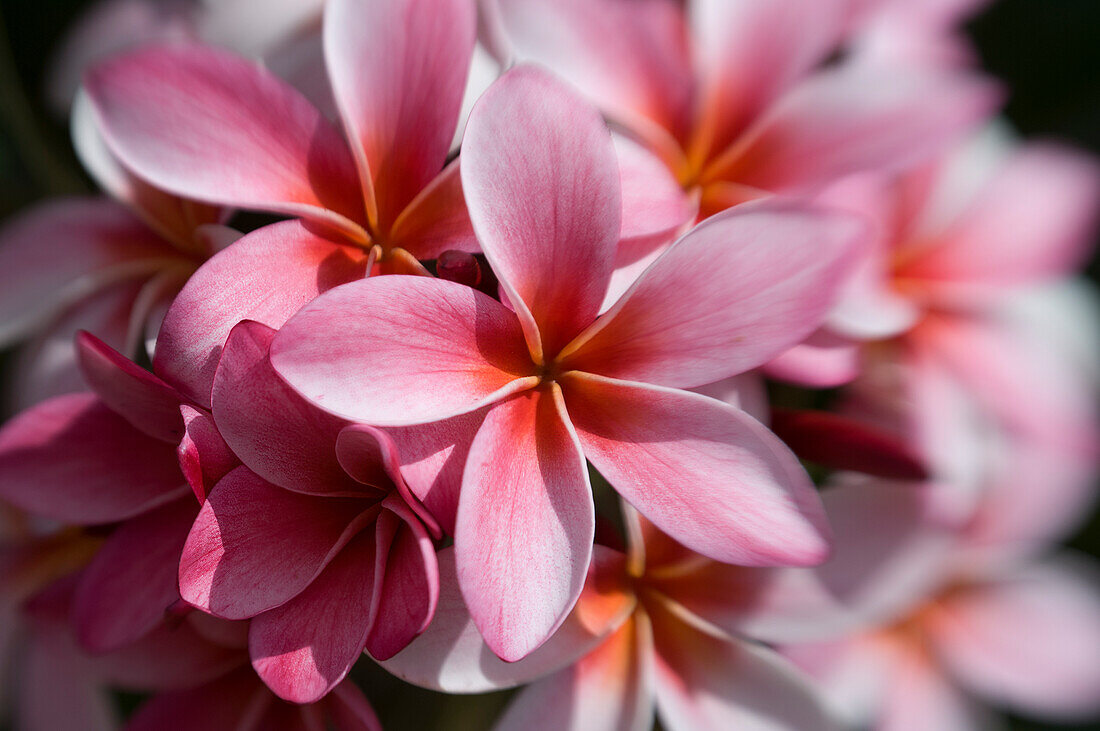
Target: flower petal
[(303, 648), (398, 70), (437, 219), (212, 126), (542, 185), (525, 487), (823, 360), (275, 432), (740, 288), (452, 657), (73, 459), (704, 472), (266, 276), (204, 456), (429, 349), (655, 207), (255, 546)]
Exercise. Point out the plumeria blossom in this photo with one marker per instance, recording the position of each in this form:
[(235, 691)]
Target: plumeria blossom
[(642, 650), (732, 94), (208, 124), (540, 178), (316, 536)]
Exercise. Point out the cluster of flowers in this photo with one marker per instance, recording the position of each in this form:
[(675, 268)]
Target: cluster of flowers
[(484, 398)]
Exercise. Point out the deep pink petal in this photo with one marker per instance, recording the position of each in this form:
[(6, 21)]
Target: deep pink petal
[(609, 688), (398, 71), (430, 349), (74, 460), (737, 290), (706, 682), (204, 456), (854, 119), (275, 432), (407, 590), (542, 185), (132, 580), (130, 391), (266, 276), (350, 710), (60, 252), (1030, 638), (217, 706), (212, 126), (629, 57), (254, 546), (303, 648), (526, 520), (437, 219), (452, 657), (706, 473)]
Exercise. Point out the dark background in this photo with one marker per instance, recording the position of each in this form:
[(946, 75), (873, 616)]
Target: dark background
[(1047, 51)]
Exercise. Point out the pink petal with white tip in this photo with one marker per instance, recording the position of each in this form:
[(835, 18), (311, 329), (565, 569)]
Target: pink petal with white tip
[(542, 185), (526, 520), (391, 351), (707, 474)]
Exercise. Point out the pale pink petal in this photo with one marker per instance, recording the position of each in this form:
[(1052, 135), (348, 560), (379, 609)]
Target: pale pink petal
[(60, 252), (886, 556), (609, 689), (429, 349), (704, 472), (748, 52), (266, 276), (130, 391), (737, 290), (254, 546), (746, 391), (204, 456), (437, 220), (74, 460), (432, 459), (1034, 220), (525, 486), (131, 582), (918, 696), (823, 360), (212, 126), (407, 584), (253, 27), (854, 119), (542, 185), (398, 70), (627, 56), (275, 432), (452, 657), (303, 648), (1030, 638), (655, 206), (707, 683)]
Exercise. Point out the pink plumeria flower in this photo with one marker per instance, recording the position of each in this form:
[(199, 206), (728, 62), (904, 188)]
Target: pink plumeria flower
[(630, 647), (731, 95), (317, 536), (210, 125), (541, 180)]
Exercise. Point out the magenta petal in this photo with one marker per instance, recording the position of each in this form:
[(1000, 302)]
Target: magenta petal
[(212, 126), (265, 276), (275, 432), (407, 589), (542, 184), (451, 655), (74, 460), (740, 288), (306, 646), (215, 706), (430, 349), (130, 391), (254, 546), (350, 710), (398, 71), (204, 456), (525, 523), (704, 472), (61, 252), (132, 580)]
